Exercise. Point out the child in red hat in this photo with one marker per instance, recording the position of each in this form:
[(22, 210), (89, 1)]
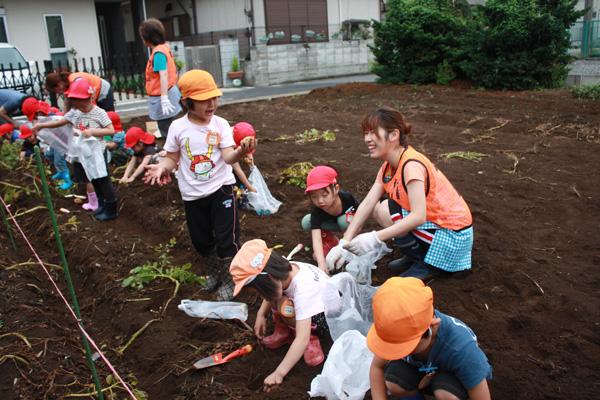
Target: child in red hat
[(144, 153), (200, 146), (90, 123), (29, 141), (296, 293), (331, 212)]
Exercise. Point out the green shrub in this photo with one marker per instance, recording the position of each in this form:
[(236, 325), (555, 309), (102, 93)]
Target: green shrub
[(414, 39), (444, 74), (590, 92), (520, 44)]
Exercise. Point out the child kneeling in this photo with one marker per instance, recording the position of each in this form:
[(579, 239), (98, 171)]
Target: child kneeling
[(419, 349), (294, 293)]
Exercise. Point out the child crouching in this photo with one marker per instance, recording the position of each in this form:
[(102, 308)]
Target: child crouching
[(294, 292), (144, 153)]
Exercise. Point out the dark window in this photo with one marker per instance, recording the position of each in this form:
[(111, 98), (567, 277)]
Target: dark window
[(292, 21), (3, 35)]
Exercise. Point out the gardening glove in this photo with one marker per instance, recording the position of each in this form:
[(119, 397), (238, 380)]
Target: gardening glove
[(337, 256), (364, 243), (165, 104)]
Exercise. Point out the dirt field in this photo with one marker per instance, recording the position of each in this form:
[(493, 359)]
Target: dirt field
[(532, 296)]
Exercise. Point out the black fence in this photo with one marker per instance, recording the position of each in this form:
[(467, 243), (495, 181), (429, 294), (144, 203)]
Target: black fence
[(126, 77)]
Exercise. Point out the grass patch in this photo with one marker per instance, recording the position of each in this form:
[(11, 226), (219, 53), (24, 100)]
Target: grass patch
[(588, 92), (296, 174)]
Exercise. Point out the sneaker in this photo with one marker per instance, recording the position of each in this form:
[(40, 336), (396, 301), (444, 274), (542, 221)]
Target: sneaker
[(421, 271)]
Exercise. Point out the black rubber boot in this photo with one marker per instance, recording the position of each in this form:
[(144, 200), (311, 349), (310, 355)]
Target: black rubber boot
[(401, 264), (101, 205), (109, 213), (422, 271), (212, 268), (225, 291)]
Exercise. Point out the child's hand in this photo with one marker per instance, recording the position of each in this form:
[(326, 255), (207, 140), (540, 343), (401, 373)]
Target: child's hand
[(87, 133), (323, 267), (124, 180), (35, 128), (260, 326), (248, 144), (251, 189), (156, 174), (272, 381)]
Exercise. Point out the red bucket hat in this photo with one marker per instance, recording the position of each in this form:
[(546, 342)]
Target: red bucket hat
[(80, 89), (116, 121), (320, 177), (25, 131), (29, 107), (135, 134)]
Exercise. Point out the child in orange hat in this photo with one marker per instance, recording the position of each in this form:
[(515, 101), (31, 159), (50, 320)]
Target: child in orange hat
[(201, 146), (144, 153), (418, 349), (295, 292), (332, 211), (90, 123)]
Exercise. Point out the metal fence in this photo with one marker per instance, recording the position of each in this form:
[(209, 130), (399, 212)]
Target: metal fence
[(585, 39), (125, 77)]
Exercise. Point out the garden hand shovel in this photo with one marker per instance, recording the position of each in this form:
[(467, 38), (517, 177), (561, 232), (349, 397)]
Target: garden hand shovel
[(217, 359)]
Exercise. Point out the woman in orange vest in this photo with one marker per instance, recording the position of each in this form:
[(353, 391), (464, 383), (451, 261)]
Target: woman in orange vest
[(423, 213), (161, 76), (59, 82)]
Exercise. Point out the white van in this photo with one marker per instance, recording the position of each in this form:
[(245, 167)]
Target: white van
[(14, 69)]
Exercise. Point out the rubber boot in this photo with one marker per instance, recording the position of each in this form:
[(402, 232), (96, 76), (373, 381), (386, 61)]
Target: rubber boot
[(212, 268), (66, 178), (101, 205), (57, 176), (313, 355), (109, 213), (401, 264), (330, 240), (225, 291), (281, 336), (92, 203)]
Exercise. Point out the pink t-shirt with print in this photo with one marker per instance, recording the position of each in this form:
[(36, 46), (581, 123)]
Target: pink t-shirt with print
[(202, 170)]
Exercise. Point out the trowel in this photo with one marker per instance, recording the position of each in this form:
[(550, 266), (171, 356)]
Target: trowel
[(217, 359)]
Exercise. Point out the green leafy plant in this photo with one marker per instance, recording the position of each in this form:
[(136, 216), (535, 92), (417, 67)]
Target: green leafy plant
[(296, 174), (9, 154), (314, 135), (235, 64), (444, 74), (589, 92), (179, 64)]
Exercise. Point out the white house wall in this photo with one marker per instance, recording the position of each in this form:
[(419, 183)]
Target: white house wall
[(221, 15), (342, 10), (27, 29)]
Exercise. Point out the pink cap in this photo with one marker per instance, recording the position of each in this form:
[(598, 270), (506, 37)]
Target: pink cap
[(320, 177), (79, 89)]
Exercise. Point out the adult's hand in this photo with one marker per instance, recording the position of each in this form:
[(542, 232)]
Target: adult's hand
[(337, 256), (166, 106), (364, 243)]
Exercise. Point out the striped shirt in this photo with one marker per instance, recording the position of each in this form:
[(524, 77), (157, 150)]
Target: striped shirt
[(95, 118)]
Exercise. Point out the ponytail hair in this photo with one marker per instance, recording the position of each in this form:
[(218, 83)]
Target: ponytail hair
[(388, 119)]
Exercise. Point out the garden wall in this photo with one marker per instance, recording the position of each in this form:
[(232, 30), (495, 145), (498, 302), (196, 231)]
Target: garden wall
[(275, 64)]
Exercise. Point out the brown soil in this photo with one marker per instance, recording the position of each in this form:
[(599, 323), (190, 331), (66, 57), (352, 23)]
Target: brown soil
[(531, 297)]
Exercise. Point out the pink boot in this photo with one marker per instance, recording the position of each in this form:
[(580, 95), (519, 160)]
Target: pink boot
[(92, 203), (313, 355), (281, 336)]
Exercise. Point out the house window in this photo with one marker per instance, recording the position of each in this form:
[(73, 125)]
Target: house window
[(3, 30), (292, 21), (56, 39)]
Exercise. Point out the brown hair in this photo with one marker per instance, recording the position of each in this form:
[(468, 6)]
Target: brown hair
[(152, 31), (54, 78), (388, 119)]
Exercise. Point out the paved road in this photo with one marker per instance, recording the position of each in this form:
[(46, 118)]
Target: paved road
[(135, 108)]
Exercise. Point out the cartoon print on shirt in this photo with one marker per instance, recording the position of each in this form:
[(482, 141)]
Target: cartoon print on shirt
[(202, 166)]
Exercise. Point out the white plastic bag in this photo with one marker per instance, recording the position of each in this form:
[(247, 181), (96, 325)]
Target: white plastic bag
[(262, 201), (214, 309), (360, 266), (91, 156), (57, 138), (345, 374), (352, 308)]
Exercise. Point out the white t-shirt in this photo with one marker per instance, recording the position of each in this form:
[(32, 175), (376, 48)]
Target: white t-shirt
[(202, 170), (306, 290)]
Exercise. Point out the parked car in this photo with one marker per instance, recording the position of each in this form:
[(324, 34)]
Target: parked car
[(15, 71)]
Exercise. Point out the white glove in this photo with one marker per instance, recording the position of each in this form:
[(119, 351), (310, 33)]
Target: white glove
[(337, 256), (167, 107), (364, 243)]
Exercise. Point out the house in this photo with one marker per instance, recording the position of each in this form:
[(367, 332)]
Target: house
[(53, 30)]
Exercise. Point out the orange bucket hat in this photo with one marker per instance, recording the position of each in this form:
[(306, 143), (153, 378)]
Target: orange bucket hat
[(402, 312), (249, 262), (198, 84)]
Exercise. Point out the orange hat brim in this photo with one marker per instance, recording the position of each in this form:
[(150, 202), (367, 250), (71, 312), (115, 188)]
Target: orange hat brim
[(206, 95), (387, 350)]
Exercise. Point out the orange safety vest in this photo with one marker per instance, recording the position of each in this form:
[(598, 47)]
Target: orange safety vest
[(94, 81), (153, 78), (444, 206)]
